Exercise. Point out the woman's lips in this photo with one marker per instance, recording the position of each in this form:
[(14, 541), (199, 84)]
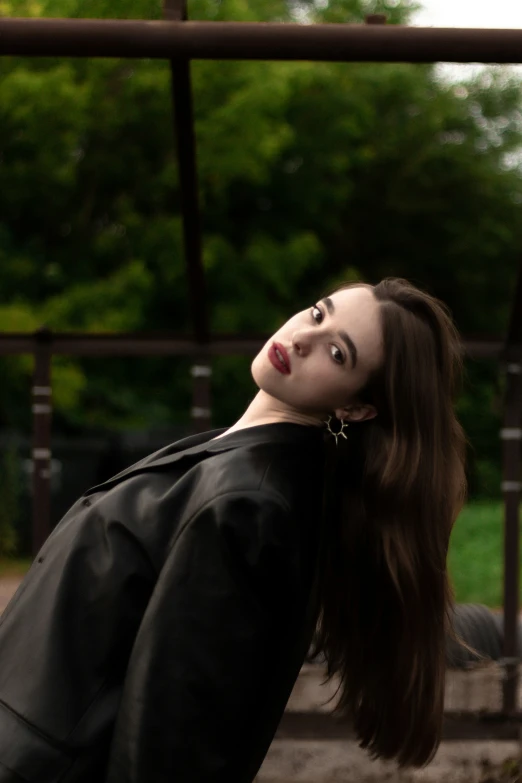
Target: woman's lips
[(284, 365)]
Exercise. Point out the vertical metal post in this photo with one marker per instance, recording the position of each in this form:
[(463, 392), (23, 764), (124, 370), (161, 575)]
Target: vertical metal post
[(201, 413), (511, 435), (375, 19), (41, 454), (176, 10)]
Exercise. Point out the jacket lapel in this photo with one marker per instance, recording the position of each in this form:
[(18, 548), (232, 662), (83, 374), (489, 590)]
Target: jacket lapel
[(193, 446)]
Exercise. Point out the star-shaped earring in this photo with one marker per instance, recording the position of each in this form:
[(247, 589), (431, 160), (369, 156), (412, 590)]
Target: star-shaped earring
[(344, 425)]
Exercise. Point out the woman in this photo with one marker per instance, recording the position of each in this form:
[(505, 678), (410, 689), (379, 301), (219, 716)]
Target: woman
[(159, 632)]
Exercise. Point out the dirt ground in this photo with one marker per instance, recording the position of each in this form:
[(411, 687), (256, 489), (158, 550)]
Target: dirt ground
[(309, 761), (8, 586)]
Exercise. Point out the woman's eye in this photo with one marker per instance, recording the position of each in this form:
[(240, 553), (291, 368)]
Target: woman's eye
[(337, 355), (317, 314)]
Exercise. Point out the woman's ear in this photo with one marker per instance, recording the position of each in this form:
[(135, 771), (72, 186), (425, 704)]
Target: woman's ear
[(357, 413)]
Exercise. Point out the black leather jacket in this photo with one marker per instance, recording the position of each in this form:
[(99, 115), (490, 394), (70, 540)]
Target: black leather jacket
[(160, 630)]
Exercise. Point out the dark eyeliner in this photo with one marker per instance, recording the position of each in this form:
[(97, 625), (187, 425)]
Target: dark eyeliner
[(316, 307)]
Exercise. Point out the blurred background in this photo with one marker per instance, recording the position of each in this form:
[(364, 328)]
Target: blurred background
[(310, 174)]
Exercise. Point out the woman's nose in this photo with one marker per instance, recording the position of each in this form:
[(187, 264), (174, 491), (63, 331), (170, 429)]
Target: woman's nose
[(301, 342)]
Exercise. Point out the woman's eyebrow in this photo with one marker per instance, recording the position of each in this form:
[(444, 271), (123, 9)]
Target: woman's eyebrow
[(329, 304), (344, 335)]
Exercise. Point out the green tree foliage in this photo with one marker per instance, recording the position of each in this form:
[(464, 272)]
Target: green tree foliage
[(309, 174)]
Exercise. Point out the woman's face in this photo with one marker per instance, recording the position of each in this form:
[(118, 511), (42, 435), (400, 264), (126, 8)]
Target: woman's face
[(328, 352)]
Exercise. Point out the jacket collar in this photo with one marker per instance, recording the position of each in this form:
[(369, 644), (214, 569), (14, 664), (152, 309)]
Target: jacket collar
[(205, 443)]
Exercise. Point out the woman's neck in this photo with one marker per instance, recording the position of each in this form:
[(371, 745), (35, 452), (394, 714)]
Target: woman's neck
[(265, 409)]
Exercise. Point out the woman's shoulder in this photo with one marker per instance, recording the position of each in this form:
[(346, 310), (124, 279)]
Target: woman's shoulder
[(281, 464), (275, 470)]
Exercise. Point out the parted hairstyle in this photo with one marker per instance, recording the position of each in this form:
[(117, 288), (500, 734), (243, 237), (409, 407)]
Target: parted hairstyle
[(395, 488)]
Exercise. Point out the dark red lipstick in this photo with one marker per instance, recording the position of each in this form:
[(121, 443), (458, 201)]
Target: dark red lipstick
[(279, 358)]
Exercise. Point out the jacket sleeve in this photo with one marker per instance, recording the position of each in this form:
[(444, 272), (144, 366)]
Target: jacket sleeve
[(212, 666)]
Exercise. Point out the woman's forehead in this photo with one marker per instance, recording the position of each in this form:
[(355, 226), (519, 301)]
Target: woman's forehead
[(360, 297)]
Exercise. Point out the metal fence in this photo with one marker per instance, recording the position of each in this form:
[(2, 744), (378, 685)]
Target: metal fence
[(181, 41)]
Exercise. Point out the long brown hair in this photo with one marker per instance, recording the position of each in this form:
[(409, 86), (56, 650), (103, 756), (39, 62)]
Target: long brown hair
[(395, 488)]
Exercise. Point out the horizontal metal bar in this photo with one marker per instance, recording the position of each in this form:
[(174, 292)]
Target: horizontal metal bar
[(129, 344), (457, 726), (256, 41), (11, 343), (486, 348), (146, 344)]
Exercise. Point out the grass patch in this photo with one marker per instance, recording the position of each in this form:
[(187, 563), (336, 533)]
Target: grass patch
[(476, 554)]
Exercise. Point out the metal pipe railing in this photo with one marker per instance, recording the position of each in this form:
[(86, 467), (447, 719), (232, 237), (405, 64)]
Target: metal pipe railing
[(256, 41)]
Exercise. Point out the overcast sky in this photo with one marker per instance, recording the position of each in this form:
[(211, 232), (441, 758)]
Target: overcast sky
[(468, 13)]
